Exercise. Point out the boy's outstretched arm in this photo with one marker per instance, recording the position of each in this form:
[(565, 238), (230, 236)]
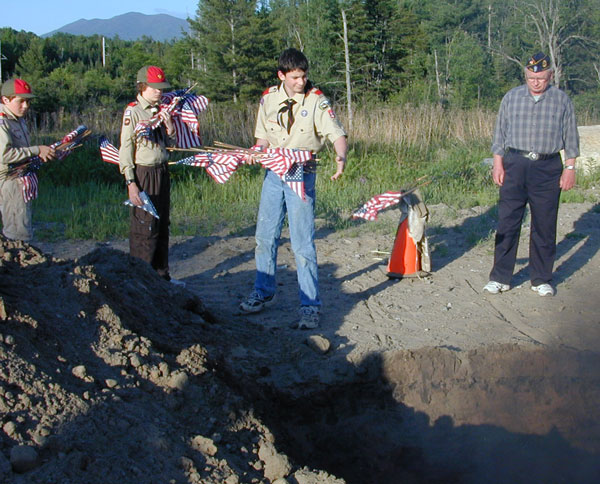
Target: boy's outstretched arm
[(341, 148)]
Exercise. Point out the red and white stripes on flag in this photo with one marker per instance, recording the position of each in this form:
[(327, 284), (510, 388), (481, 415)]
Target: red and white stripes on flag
[(288, 164), (30, 186), (220, 166), (370, 209), (108, 152), (280, 160)]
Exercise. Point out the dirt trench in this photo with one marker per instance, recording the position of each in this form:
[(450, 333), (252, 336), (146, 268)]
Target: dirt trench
[(499, 414)]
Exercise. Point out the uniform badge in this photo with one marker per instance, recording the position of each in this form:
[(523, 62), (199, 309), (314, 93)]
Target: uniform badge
[(304, 113), (331, 113), (325, 104)]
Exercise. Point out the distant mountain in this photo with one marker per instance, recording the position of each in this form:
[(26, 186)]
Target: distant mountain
[(129, 26)]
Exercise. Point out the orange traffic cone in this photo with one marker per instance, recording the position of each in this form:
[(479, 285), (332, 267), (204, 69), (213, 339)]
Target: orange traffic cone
[(405, 259)]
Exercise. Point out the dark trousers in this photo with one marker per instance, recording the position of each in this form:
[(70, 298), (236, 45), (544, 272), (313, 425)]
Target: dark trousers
[(536, 183), (148, 236)]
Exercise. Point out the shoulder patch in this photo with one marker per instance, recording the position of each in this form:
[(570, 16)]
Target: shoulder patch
[(2, 115), (324, 105), (134, 103), (315, 90), (269, 90)]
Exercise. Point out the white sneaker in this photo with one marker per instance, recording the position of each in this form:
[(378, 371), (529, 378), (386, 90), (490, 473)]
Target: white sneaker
[(494, 287), (177, 282), (543, 289), (255, 303), (309, 318)]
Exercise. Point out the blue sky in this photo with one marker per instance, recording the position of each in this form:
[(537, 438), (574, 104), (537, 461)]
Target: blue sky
[(43, 16)]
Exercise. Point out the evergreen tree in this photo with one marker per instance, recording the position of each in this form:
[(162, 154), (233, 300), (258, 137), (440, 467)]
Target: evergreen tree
[(227, 41)]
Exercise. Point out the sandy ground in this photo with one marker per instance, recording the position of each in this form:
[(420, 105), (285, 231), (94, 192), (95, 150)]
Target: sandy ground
[(413, 380)]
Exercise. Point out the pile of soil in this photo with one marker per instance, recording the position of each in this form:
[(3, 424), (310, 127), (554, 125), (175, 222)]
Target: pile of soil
[(106, 378)]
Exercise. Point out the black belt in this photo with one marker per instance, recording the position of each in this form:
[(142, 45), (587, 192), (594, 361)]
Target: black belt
[(532, 155)]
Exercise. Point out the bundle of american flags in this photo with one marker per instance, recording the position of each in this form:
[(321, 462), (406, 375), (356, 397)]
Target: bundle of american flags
[(27, 169), (220, 166), (184, 108), (222, 162)]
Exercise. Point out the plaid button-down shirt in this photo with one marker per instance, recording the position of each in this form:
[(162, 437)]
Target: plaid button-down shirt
[(547, 125)]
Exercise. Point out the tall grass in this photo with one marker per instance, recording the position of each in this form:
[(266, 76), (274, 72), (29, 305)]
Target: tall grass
[(390, 147)]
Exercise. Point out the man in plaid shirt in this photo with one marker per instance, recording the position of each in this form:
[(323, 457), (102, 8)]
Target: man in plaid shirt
[(535, 121)]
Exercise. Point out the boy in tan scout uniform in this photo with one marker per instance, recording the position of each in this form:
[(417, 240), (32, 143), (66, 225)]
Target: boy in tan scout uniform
[(143, 162), (16, 146), (292, 115)]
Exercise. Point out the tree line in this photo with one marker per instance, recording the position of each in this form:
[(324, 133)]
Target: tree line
[(461, 53)]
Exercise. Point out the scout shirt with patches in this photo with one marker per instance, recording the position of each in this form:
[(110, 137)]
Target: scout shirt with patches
[(141, 151), (14, 140), (314, 120)]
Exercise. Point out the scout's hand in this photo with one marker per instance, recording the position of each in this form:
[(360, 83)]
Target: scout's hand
[(567, 180), (252, 158), (168, 122), (47, 153), (340, 161), (134, 195)]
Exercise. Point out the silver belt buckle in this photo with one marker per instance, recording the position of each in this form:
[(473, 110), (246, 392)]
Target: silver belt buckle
[(532, 155)]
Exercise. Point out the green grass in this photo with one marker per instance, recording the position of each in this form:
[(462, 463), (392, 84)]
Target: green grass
[(82, 197)]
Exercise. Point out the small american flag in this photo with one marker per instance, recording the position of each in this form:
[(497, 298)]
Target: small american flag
[(147, 206), (220, 166), (108, 152), (295, 179), (370, 209)]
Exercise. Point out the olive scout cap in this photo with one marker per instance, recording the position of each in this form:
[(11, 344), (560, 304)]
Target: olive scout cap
[(539, 62), (153, 76), (17, 87)]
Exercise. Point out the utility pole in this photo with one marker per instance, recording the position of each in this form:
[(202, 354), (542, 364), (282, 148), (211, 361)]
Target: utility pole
[(103, 52), (2, 57), (347, 60)]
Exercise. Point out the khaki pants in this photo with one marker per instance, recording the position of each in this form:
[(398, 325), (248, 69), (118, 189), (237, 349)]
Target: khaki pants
[(16, 214)]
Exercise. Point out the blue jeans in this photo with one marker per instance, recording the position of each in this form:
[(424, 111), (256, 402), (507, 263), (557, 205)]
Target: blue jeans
[(276, 199)]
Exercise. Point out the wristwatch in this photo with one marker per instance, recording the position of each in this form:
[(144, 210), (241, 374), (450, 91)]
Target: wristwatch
[(129, 182), (569, 167)]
